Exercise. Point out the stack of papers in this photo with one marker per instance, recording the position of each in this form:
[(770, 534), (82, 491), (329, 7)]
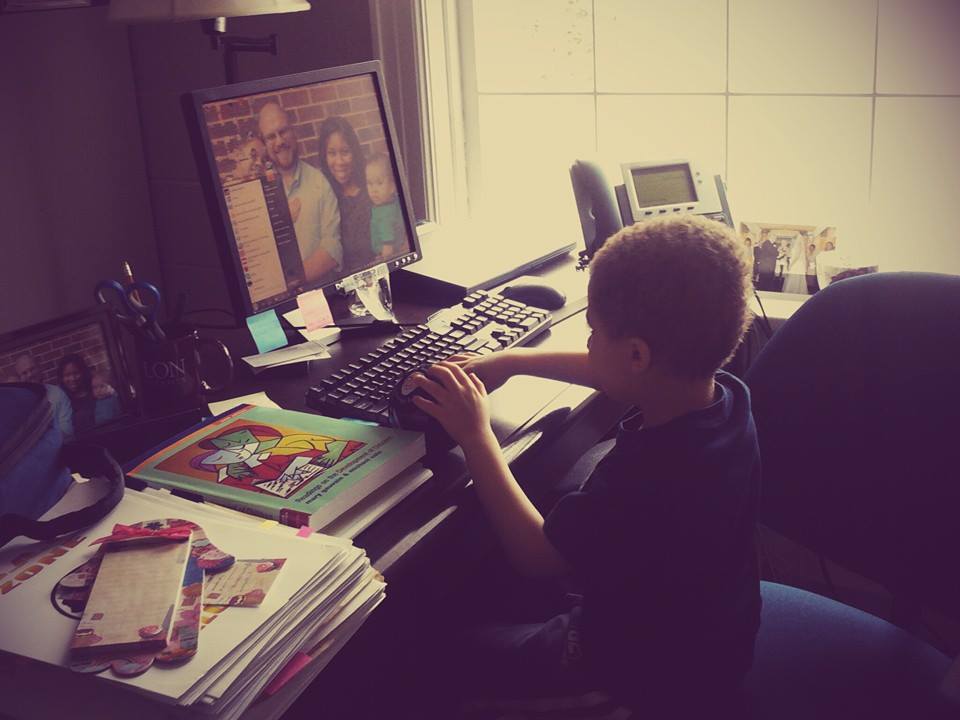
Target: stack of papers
[(323, 593), (314, 349)]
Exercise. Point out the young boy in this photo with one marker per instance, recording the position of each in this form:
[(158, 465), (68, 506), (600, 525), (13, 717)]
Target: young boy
[(386, 220), (660, 538)]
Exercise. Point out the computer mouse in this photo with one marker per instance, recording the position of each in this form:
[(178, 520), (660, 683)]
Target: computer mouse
[(539, 295), (407, 416)]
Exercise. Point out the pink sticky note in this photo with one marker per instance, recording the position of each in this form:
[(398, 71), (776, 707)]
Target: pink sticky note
[(304, 531), (294, 665), (316, 312)]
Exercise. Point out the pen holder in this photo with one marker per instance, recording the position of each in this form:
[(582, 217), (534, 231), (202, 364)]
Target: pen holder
[(176, 372)]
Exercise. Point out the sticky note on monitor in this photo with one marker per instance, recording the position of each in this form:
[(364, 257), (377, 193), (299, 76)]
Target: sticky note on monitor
[(315, 309), (266, 331)]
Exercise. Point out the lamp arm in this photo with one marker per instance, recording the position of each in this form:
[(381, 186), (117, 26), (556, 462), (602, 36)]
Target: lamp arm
[(216, 28)]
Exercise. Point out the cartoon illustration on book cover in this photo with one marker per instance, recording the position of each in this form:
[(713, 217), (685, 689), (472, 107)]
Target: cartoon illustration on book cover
[(261, 458)]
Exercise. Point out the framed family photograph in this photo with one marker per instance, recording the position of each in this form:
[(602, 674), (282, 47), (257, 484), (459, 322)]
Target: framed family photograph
[(785, 256), (80, 362)]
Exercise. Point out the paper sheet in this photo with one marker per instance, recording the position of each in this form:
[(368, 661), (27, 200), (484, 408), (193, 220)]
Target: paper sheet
[(315, 309), (293, 353), (324, 336), (245, 584), (259, 399)]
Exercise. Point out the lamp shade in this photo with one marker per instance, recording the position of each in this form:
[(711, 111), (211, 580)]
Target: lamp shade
[(175, 10)]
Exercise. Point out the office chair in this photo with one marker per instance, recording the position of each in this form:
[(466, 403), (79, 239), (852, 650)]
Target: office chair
[(856, 403)]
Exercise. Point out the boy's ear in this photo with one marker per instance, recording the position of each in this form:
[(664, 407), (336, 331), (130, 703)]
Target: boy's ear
[(640, 357)]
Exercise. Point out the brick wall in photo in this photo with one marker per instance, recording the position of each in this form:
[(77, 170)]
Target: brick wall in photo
[(233, 122), (86, 341)]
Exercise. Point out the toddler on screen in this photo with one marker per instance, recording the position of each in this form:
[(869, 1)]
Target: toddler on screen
[(386, 220), (251, 159)]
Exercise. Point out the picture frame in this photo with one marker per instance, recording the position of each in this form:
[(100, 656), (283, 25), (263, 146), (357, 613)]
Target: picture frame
[(80, 360), (784, 256)]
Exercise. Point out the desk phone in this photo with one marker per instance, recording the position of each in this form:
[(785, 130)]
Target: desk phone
[(649, 189)]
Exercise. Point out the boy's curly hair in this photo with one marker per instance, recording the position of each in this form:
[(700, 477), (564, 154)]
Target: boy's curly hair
[(679, 283)]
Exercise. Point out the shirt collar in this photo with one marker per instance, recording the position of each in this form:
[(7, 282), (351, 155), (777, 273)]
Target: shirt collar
[(297, 174), (716, 413)]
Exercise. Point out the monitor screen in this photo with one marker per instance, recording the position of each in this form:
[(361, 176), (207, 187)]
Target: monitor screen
[(304, 181), (663, 185)]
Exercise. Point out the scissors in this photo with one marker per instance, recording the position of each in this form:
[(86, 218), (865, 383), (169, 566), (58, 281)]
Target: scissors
[(135, 304)]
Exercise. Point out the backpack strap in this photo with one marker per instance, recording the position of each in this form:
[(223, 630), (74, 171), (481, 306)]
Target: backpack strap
[(29, 431), (89, 461)]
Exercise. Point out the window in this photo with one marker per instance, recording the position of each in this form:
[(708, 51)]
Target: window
[(813, 111)]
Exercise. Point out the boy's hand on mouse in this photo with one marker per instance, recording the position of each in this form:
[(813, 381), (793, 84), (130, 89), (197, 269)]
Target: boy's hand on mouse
[(493, 370), (459, 401)]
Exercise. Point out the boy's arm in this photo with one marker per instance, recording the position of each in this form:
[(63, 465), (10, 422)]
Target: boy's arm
[(517, 523), (496, 369), (458, 402), (571, 367)]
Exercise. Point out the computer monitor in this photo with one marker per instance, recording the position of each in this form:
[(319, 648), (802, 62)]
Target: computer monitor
[(303, 180)]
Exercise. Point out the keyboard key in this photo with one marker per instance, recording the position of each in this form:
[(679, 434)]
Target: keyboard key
[(483, 324)]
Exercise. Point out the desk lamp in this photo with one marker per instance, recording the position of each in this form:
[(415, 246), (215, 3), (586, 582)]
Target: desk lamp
[(213, 15)]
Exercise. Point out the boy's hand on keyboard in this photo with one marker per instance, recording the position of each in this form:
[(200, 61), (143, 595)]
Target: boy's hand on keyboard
[(459, 401), (493, 370)]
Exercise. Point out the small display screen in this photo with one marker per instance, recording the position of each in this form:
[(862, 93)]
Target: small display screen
[(664, 185)]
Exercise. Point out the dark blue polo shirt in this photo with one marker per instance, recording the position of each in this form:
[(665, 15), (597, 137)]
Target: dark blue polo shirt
[(661, 536)]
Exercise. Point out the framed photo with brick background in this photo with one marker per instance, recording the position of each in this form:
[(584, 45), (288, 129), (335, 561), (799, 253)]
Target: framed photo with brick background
[(80, 362)]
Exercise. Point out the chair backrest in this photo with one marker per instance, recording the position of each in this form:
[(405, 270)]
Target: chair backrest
[(857, 405)]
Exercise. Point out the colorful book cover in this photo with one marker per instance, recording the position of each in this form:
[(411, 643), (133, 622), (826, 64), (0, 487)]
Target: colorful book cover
[(297, 468)]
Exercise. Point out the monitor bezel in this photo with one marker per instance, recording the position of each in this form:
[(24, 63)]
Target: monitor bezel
[(193, 102)]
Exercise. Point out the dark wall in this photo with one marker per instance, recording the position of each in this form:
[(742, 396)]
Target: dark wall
[(169, 60), (73, 189)]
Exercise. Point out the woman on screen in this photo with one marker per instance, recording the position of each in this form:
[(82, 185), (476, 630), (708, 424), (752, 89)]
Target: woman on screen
[(342, 161), (89, 411)]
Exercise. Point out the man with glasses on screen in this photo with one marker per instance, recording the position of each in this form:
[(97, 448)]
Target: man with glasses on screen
[(313, 204)]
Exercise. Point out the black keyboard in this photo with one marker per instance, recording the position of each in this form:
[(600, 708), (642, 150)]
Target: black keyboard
[(483, 323)]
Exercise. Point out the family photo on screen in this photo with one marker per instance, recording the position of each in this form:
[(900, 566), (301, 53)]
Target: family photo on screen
[(325, 146)]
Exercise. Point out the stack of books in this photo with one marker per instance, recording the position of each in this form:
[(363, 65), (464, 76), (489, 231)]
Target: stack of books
[(300, 469), (323, 590)]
